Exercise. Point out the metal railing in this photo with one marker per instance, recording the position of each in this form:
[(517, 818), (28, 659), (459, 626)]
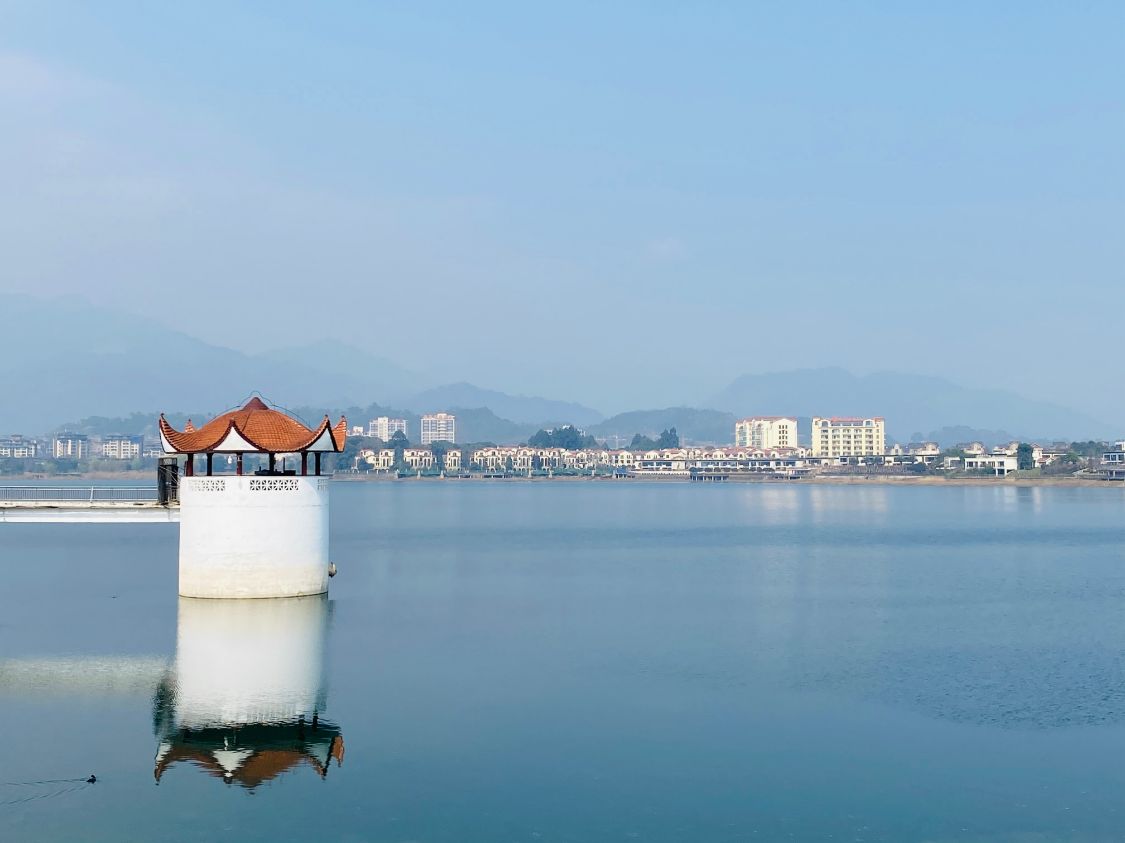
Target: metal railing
[(78, 494)]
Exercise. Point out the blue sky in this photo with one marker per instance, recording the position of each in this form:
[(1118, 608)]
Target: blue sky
[(638, 202)]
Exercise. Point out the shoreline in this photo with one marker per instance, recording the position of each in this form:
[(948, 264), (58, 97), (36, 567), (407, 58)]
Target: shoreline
[(148, 477), (964, 481), (820, 479)]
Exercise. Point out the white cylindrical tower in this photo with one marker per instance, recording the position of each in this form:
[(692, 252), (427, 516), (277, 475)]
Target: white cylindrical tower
[(255, 535)]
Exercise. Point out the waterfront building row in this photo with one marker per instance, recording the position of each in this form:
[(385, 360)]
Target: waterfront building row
[(833, 436), (434, 427), (74, 446), (1000, 461), (18, 447), (524, 458)]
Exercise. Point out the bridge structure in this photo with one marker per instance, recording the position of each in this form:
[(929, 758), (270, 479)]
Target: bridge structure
[(86, 504)]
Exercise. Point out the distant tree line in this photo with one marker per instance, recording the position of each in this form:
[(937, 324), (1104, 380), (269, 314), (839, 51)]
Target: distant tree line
[(568, 437), (667, 439)]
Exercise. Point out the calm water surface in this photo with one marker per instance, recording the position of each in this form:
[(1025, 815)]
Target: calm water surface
[(583, 661)]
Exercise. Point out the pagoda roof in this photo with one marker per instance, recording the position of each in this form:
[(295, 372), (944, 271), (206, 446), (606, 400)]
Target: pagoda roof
[(254, 755), (253, 428)]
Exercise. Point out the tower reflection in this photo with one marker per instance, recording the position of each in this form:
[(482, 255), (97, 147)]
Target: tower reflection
[(244, 698)]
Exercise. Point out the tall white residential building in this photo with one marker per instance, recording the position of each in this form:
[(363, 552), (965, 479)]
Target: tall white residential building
[(72, 445), (384, 428), (848, 437), (17, 447), (438, 427), (122, 447), (766, 432)]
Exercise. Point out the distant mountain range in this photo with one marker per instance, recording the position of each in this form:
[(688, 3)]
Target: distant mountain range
[(353, 373), (693, 425), (65, 361), (518, 408)]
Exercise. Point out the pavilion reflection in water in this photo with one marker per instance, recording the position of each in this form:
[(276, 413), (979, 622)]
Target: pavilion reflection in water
[(244, 697)]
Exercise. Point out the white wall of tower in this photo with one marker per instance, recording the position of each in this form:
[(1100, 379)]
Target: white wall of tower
[(253, 536)]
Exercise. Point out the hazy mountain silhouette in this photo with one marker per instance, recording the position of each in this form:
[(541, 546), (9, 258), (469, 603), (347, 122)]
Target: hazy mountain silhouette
[(908, 402), (692, 424), (365, 373), (63, 360), (518, 408)]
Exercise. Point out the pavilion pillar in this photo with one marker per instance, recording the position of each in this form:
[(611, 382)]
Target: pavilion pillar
[(238, 470), (210, 462), (304, 463), (273, 462), (318, 463), (189, 466)]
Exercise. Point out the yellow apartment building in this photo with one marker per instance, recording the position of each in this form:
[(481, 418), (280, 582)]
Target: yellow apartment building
[(766, 432), (848, 437)]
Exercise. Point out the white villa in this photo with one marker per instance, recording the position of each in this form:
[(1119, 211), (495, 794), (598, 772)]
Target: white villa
[(525, 458)]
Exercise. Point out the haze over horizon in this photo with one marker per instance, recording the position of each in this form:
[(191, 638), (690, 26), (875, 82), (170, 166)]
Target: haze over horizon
[(105, 364), (625, 206)]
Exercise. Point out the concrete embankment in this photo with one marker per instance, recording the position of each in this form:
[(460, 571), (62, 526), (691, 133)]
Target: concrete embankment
[(96, 512)]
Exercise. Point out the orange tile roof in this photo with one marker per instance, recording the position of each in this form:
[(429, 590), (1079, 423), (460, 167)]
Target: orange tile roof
[(261, 766), (267, 429)]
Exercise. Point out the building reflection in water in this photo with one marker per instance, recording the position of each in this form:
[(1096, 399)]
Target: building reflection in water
[(244, 698), (850, 504)]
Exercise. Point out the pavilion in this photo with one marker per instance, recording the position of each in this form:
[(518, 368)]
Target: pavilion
[(254, 428), (259, 535)]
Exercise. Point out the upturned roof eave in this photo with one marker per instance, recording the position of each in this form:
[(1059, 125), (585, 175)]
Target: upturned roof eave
[(173, 442)]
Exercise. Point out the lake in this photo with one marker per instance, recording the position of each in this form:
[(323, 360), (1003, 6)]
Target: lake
[(585, 661)]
